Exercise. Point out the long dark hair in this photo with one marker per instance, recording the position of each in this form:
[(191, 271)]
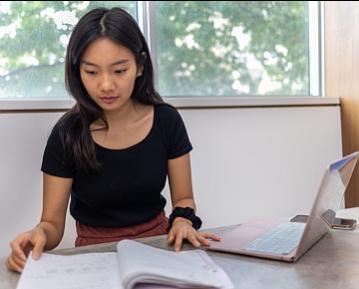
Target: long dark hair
[(119, 26)]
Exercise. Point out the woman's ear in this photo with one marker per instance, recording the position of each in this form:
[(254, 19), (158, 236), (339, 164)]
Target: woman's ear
[(139, 70), (141, 66)]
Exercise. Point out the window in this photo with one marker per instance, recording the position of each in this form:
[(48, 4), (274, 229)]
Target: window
[(222, 48), (33, 40), (231, 48)]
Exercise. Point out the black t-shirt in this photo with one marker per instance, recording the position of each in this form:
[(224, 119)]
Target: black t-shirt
[(127, 189)]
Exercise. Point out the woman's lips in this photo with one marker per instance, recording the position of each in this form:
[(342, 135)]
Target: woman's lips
[(109, 99)]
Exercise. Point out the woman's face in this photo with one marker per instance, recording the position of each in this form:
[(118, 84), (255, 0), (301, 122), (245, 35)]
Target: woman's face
[(108, 71)]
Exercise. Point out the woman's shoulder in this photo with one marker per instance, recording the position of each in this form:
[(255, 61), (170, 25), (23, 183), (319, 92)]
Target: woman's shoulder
[(65, 124), (68, 119), (166, 111), (168, 118)]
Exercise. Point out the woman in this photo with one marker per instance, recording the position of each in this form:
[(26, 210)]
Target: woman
[(114, 149)]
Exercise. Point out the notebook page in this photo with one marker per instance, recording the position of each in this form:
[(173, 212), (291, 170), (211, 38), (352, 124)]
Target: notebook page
[(146, 264), (83, 271)]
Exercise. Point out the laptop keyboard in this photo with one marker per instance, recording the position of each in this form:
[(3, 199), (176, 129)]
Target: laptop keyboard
[(280, 240)]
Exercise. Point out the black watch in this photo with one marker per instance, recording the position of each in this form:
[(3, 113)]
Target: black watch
[(187, 213)]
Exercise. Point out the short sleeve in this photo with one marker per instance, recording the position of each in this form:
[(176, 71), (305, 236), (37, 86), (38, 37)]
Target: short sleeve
[(55, 161), (178, 140)]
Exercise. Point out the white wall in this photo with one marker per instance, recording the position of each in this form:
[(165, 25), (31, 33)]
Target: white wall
[(246, 162)]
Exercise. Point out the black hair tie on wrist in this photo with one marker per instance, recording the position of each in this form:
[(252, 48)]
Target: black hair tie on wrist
[(187, 213)]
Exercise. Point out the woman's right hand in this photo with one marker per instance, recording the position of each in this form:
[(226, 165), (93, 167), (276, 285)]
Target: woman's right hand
[(34, 240)]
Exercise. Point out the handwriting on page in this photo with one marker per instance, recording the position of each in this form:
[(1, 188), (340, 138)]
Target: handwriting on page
[(85, 271)]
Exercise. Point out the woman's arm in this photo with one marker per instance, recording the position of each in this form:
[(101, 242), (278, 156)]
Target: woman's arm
[(180, 182), (55, 201), (48, 233)]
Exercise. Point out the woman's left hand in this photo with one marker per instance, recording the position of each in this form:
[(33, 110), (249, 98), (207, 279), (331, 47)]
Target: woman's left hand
[(182, 229)]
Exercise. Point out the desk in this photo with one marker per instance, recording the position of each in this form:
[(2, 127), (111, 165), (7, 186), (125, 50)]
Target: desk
[(332, 263)]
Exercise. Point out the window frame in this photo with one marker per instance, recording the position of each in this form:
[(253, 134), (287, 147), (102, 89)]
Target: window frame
[(146, 20), (316, 48)]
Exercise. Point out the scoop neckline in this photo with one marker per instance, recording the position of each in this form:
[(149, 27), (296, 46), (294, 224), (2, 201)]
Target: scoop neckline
[(136, 144)]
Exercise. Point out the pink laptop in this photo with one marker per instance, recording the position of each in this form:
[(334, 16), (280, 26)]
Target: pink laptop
[(288, 241)]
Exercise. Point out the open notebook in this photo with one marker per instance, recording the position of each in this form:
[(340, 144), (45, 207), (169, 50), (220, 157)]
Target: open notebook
[(287, 241), (134, 265)]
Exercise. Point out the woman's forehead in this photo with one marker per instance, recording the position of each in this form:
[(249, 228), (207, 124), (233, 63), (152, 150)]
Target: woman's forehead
[(105, 51)]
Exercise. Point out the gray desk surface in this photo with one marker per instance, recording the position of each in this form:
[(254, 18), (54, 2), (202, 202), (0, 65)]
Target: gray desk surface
[(332, 263)]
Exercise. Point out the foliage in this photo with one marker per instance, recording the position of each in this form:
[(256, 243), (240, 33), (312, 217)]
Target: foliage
[(221, 48), (32, 62), (272, 44)]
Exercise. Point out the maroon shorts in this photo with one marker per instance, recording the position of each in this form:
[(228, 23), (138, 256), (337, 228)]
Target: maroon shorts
[(88, 235)]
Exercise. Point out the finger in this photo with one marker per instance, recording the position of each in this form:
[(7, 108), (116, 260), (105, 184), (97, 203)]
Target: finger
[(178, 242), (203, 240), (27, 248), (11, 265), (210, 235), (17, 250), (170, 238), (193, 240), (18, 261), (39, 244)]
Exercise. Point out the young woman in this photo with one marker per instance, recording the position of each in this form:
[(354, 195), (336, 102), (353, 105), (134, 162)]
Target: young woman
[(114, 149)]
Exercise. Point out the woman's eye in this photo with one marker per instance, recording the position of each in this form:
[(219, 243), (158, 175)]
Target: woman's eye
[(120, 71), (90, 72)]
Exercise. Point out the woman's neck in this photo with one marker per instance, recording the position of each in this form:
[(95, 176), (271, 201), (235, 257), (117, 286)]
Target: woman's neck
[(123, 114), (123, 117)]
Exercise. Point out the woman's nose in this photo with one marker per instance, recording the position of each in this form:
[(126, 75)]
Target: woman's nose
[(107, 83)]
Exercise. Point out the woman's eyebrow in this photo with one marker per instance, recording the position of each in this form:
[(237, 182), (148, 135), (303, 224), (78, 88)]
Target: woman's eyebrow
[(112, 64)]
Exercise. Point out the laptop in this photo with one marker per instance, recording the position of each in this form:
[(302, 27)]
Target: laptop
[(288, 241)]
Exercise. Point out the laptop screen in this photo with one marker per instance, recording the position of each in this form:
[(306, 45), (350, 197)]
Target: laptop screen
[(329, 196)]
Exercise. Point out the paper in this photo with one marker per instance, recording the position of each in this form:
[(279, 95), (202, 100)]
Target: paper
[(132, 266), (193, 266), (84, 271)]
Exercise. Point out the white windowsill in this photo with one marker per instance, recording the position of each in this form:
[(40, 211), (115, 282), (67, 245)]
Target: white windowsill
[(252, 101), (188, 102)]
